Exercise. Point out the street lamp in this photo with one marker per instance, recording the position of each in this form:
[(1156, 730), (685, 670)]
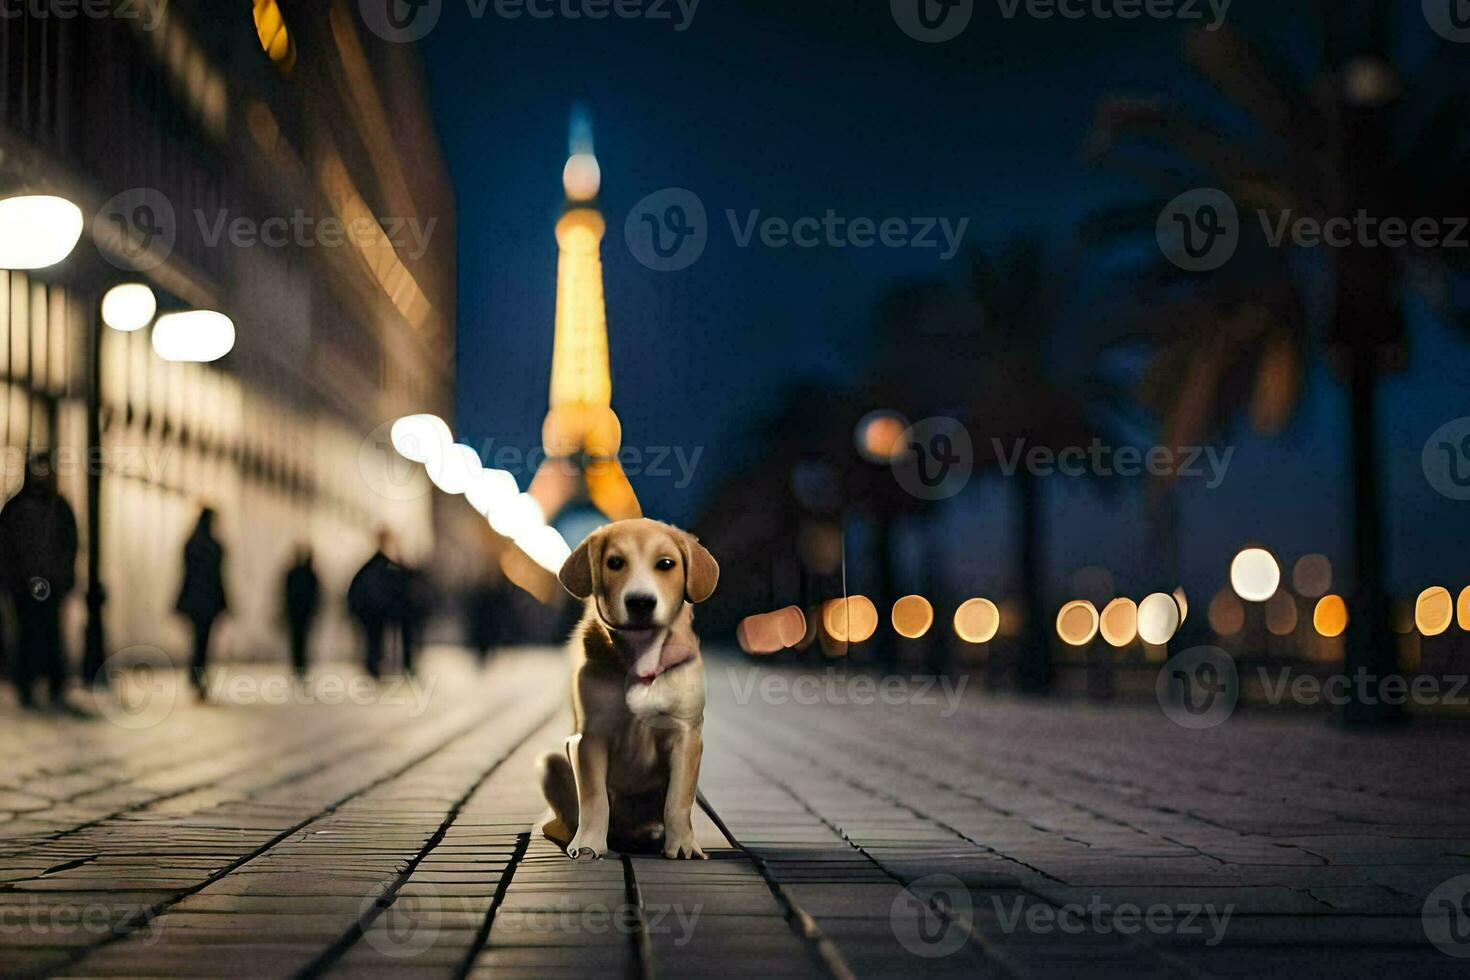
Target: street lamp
[(197, 336), (129, 307), (37, 230)]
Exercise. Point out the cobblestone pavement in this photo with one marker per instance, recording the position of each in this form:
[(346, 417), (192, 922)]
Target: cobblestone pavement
[(853, 830)]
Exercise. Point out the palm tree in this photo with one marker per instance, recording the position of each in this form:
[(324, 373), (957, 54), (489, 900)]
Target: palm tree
[(1354, 136), (985, 352)]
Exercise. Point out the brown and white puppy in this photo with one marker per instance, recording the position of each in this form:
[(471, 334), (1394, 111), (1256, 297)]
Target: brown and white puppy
[(630, 770)]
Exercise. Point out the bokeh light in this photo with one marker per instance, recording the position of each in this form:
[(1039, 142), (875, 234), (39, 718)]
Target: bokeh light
[(1281, 615), (1158, 618), (977, 620), (1254, 575), (1182, 601), (197, 336), (129, 306), (1226, 614), (420, 438), (455, 469), (1119, 622), (912, 616), (878, 436), (1434, 610), (1311, 576), (1462, 608), (1330, 618), (850, 620), (1077, 622)]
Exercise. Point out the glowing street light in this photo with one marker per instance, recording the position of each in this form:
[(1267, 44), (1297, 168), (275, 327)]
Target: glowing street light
[(912, 616), (490, 489), (420, 438), (977, 620), (1077, 623), (197, 336), (1158, 618), (37, 230), (129, 307), (454, 469), (1254, 575)]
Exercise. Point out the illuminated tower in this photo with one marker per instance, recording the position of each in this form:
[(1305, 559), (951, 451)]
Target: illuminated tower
[(581, 434)]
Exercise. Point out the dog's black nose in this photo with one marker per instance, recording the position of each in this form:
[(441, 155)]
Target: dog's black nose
[(640, 606)]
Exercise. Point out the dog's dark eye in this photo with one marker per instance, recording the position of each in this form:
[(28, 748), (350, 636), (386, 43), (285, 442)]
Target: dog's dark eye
[(664, 564), (616, 563)]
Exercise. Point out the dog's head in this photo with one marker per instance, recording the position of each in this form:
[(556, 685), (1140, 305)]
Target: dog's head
[(640, 572)]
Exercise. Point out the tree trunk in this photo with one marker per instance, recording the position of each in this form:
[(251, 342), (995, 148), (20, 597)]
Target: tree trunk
[(1034, 669), (1369, 658)]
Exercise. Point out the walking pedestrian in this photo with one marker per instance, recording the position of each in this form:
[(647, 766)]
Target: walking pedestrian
[(38, 556), (375, 599), (302, 595), (202, 594)]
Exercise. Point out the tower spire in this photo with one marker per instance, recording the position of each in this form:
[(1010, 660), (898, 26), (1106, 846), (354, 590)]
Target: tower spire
[(581, 434)]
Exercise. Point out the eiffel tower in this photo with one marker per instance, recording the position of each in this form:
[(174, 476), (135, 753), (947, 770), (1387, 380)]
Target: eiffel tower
[(581, 435)]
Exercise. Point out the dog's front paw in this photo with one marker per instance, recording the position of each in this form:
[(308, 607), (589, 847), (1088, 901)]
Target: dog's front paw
[(679, 846), (586, 848)]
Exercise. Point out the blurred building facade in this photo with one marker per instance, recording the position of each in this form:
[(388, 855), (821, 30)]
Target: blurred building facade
[(254, 122)]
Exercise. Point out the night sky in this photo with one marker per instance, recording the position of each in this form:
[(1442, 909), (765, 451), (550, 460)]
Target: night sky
[(793, 112)]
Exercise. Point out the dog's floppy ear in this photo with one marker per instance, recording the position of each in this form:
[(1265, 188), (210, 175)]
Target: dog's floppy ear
[(701, 571), (576, 571)]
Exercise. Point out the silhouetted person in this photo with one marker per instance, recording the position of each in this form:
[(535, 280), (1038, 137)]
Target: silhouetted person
[(202, 595), (303, 593), (38, 555), (417, 601), (375, 599), (485, 615)]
